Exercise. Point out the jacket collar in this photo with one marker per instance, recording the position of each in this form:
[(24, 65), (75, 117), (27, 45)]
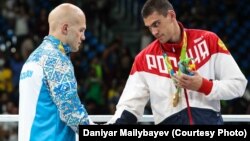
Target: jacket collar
[(56, 42)]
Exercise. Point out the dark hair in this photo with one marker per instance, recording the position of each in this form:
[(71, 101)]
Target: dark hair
[(160, 6)]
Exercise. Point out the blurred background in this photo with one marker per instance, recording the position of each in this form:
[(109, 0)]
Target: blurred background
[(115, 34)]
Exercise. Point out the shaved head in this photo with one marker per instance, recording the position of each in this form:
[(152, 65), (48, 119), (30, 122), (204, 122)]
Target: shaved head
[(64, 14), (67, 22)]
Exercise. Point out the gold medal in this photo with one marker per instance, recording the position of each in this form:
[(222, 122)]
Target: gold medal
[(176, 97)]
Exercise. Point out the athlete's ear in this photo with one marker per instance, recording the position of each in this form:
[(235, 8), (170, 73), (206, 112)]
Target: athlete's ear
[(171, 14), (64, 29)]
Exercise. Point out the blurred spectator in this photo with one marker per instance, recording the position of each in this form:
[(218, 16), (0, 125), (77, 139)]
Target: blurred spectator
[(42, 26), (5, 75), (22, 17), (94, 90), (27, 46), (146, 38)]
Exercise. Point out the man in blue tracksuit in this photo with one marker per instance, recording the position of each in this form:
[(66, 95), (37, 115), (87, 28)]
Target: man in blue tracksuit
[(49, 106)]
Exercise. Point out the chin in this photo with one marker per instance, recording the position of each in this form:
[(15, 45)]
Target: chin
[(75, 50), (162, 41)]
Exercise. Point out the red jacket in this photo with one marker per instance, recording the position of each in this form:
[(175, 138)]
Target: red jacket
[(149, 79)]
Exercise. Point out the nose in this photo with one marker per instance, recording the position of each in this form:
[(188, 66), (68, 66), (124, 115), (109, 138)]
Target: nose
[(154, 31), (83, 36)]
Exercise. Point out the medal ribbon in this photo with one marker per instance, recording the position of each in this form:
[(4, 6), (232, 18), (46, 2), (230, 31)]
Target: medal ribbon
[(61, 48), (183, 56)]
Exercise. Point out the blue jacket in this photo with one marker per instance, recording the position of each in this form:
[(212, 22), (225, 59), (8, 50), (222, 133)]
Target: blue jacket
[(49, 106)]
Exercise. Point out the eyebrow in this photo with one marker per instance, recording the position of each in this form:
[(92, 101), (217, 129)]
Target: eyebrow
[(153, 24)]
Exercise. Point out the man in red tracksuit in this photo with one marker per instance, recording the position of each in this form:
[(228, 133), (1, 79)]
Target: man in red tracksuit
[(178, 97)]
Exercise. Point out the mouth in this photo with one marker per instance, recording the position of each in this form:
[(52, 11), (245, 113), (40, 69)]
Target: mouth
[(159, 37)]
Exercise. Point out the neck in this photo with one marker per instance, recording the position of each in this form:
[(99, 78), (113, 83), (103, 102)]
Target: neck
[(58, 36), (177, 33)]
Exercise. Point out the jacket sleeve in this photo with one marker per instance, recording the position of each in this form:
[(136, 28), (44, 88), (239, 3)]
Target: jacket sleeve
[(229, 82), (63, 86), (133, 99)]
